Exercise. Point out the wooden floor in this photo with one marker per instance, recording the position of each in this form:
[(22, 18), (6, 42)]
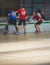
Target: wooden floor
[(22, 37), (29, 49)]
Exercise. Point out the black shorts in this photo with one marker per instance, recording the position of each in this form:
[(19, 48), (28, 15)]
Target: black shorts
[(12, 22), (39, 22), (22, 22)]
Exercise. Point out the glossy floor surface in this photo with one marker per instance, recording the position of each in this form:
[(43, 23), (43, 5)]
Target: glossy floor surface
[(29, 49)]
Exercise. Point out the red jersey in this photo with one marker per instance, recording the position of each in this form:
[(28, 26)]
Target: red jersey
[(37, 17), (22, 13)]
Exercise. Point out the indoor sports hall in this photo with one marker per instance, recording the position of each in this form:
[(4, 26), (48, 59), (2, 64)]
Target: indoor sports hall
[(25, 49)]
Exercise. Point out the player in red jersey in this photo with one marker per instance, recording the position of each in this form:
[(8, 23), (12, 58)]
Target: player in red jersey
[(22, 19), (39, 19)]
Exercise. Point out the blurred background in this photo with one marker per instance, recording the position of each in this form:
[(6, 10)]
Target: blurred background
[(31, 5)]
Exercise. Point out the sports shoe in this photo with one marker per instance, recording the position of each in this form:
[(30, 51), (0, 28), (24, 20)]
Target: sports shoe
[(17, 33)]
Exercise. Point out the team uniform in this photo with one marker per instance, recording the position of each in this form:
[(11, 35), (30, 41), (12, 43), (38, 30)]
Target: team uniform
[(38, 18), (41, 13), (12, 18), (11, 21), (22, 14)]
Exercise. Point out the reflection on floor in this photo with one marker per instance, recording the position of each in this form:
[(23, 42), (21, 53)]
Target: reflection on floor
[(29, 49)]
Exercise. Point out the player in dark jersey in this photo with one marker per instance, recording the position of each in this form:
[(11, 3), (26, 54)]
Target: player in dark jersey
[(41, 12), (38, 17), (22, 19)]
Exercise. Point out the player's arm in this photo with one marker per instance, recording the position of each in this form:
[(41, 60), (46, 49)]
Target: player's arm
[(31, 18), (17, 11), (9, 14), (33, 15)]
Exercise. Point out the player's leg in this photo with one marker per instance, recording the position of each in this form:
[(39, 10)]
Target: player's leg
[(6, 29), (16, 27), (24, 26), (19, 24), (39, 25), (36, 27), (14, 23), (12, 26)]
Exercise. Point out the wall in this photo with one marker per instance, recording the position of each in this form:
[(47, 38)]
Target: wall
[(7, 5), (30, 27), (33, 5)]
